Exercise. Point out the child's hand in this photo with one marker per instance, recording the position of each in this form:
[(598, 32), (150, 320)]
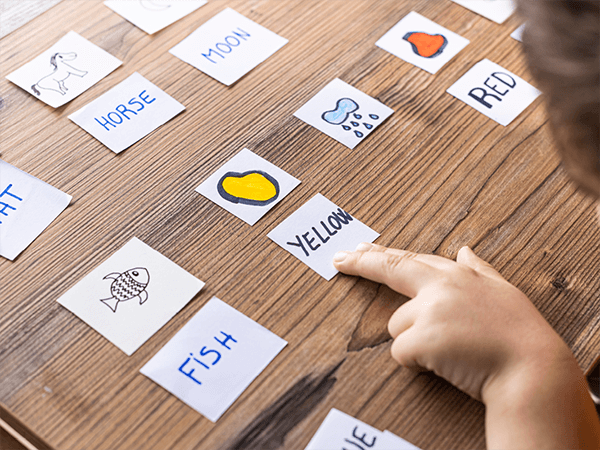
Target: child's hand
[(472, 327)]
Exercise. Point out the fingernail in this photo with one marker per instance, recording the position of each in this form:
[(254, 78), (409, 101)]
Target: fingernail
[(340, 256), (363, 247)]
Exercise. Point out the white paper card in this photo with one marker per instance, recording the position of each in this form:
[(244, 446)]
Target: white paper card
[(228, 46), (248, 186), (494, 91), (317, 231), (389, 441), (65, 70), (128, 112), (27, 207), (421, 42), (518, 33), (213, 358), (344, 113), (496, 10), (153, 15), (341, 431), (131, 295)]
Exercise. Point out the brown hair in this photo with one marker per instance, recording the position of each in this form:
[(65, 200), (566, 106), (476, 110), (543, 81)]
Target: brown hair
[(562, 44)]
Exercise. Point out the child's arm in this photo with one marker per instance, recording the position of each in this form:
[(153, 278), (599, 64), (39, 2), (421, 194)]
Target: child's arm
[(470, 326)]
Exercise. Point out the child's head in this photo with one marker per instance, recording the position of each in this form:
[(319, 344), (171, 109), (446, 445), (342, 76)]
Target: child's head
[(562, 43)]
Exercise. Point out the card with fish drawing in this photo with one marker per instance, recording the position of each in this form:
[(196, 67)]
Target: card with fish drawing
[(131, 295), (65, 70), (421, 42), (344, 113), (248, 186), (317, 231), (154, 15), (213, 358)]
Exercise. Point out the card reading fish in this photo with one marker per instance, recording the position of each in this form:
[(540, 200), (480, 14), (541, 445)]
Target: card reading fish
[(153, 15), (248, 186), (65, 70), (128, 112), (340, 430), (27, 207), (317, 231), (131, 295), (495, 10), (494, 91), (344, 113), (228, 46), (213, 358), (421, 42)]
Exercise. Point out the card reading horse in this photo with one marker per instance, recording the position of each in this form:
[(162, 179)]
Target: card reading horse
[(494, 91), (213, 358), (248, 186), (317, 231), (421, 42), (65, 70), (496, 10), (131, 295), (27, 207), (128, 112), (228, 46), (153, 15), (344, 113)]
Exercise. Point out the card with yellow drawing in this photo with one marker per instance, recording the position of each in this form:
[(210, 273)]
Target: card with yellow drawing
[(248, 186)]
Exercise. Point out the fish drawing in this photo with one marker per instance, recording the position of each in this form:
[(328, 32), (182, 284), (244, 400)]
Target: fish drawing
[(127, 286)]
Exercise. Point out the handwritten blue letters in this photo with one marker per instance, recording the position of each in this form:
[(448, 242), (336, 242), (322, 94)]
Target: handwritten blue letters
[(230, 41), (208, 357), (115, 118), (3, 205)]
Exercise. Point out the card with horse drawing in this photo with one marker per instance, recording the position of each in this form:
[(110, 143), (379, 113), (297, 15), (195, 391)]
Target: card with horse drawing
[(65, 70), (131, 295)]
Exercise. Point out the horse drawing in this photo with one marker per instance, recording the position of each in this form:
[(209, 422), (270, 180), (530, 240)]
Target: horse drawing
[(55, 81)]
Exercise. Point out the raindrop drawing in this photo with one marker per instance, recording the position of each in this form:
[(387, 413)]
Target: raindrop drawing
[(55, 80), (127, 286), (154, 5), (254, 188), (343, 108), (425, 44)]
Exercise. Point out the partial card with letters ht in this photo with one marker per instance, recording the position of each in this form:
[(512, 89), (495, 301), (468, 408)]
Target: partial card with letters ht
[(27, 207), (128, 112), (213, 358)]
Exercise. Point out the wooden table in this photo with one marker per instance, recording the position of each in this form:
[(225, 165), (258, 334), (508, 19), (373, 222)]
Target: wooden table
[(435, 176)]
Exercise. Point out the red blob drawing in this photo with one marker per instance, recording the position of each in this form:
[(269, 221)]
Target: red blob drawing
[(426, 45)]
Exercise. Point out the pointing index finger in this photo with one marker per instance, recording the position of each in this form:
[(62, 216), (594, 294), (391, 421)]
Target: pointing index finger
[(400, 269)]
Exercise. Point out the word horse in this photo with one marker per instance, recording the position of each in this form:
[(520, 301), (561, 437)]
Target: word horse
[(59, 74)]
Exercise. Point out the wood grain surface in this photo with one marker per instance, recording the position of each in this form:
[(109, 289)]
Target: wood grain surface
[(435, 176)]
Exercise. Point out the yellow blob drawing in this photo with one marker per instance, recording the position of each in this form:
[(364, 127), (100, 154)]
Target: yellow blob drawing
[(255, 188)]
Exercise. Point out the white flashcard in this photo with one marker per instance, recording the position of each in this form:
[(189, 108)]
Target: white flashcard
[(128, 112), (421, 42), (228, 46), (248, 186), (495, 10), (344, 113), (213, 358), (153, 15), (494, 91), (340, 430), (27, 207), (518, 33), (389, 441), (317, 231), (65, 70), (131, 295)]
